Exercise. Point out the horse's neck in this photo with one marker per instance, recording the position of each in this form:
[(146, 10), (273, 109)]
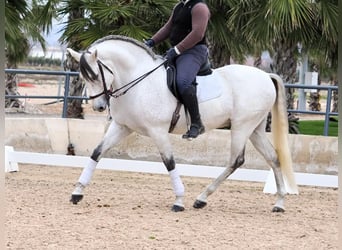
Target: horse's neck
[(129, 66), (126, 59)]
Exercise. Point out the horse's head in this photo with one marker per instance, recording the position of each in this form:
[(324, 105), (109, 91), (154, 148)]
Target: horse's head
[(97, 76)]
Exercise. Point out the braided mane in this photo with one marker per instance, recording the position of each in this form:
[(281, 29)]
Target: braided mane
[(127, 39)]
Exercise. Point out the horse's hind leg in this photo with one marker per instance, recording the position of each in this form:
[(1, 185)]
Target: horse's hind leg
[(263, 145), (164, 146), (237, 159), (115, 133)]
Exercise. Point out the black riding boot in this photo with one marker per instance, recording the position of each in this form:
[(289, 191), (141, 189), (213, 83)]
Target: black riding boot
[(190, 102)]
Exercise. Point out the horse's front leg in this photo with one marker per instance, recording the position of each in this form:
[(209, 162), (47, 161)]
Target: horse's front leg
[(177, 184), (115, 133), (164, 146)]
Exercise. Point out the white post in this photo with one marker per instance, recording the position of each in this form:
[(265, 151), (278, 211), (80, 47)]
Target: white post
[(10, 165), (301, 92)]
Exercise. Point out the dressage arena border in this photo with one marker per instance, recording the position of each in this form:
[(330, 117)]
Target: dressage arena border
[(12, 158), (310, 154)]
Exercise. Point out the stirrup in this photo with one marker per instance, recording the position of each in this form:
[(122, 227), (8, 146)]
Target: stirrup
[(194, 131)]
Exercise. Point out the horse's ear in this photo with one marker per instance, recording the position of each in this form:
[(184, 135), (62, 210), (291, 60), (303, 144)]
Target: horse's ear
[(94, 55), (74, 54)]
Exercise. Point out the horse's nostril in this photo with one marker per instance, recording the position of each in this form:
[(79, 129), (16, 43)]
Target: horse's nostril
[(99, 109)]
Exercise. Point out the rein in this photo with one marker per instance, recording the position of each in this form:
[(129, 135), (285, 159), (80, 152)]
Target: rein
[(122, 90)]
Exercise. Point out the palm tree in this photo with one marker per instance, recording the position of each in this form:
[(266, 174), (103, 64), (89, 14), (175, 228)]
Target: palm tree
[(138, 19), (23, 24), (324, 55), (16, 43), (75, 11), (279, 26), (225, 40)]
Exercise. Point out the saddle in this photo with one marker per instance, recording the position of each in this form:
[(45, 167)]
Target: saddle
[(171, 83), (171, 76)]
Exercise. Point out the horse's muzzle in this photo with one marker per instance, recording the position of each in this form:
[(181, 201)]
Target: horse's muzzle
[(99, 108)]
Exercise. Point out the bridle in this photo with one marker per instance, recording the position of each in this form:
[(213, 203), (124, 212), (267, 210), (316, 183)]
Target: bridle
[(105, 91), (122, 90)]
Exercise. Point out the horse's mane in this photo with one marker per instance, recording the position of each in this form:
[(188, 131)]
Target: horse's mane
[(127, 39)]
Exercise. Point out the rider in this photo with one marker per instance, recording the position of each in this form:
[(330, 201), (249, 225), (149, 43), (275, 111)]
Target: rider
[(186, 30)]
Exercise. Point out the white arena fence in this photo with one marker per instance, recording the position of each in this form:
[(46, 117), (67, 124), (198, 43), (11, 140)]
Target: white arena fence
[(12, 158)]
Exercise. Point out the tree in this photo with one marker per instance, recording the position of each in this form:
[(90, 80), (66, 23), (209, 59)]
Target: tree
[(137, 19), (75, 11), (24, 24), (226, 42), (280, 25), (324, 56)]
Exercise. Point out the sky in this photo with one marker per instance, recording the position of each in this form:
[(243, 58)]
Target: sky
[(54, 48), (55, 33)]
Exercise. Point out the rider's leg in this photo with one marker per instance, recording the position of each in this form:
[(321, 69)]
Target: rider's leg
[(190, 102), (188, 65)]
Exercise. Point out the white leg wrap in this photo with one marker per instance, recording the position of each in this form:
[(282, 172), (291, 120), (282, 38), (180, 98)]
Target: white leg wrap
[(87, 172), (78, 189), (177, 183)]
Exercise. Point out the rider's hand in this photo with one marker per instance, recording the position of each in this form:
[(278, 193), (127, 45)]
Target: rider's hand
[(149, 43), (171, 54)]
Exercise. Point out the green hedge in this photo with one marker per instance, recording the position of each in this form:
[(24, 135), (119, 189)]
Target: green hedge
[(43, 61), (312, 127)]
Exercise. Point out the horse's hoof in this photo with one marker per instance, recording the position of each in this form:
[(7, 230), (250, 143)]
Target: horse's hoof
[(176, 208), (75, 198), (278, 210), (199, 204)]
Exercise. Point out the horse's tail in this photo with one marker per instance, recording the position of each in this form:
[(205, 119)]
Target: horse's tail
[(280, 130)]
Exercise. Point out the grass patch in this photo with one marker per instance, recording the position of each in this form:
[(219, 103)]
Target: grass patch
[(311, 127)]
